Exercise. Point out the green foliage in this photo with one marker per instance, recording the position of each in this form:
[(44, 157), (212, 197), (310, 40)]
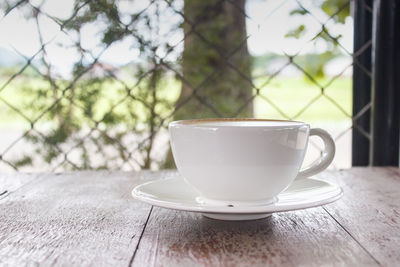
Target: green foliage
[(299, 11), (314, 64), (339, 10), (94, 109), (296, 33), (7, 5), (9, 71), (25, 160), (99, 112), (336, 10)]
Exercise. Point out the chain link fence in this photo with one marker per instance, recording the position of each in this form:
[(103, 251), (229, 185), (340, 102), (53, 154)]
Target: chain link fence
[(64, 106)]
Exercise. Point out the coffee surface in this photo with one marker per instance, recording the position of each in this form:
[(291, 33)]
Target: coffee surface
[(247, 123)]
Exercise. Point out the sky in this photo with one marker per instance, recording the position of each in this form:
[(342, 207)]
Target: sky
[(267, 25)]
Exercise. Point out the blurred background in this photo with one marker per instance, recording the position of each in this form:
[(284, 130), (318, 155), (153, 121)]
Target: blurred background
[(94, 84)]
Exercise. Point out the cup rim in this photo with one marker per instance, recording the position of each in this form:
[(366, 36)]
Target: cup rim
[(203, 123)]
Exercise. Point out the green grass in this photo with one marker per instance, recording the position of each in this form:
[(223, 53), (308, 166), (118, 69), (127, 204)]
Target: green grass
[(290, 94)]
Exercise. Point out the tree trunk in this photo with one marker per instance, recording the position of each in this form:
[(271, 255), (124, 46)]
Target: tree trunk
[(216, 65), (215, 42)]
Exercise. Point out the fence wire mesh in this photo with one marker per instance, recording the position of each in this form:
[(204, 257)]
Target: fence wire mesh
[(65, 106)]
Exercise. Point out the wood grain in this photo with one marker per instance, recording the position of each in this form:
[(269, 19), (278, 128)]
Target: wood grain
[(76, 219), (301, 238), (370, 210), (90, 219), (9, 182)]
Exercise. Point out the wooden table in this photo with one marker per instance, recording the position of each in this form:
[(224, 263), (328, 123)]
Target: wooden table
[(90, 219)]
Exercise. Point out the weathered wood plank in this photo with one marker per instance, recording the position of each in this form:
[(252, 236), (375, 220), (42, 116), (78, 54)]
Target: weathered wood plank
[(370, 210), (76, 219), (89, 218), (9, 182), (396, 170), (301, 238)]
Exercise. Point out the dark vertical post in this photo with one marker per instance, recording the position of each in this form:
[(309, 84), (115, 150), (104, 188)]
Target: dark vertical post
[(361, 81), (386, 83)]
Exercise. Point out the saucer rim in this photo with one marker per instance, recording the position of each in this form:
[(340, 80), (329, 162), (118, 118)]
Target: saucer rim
[(256, 209)]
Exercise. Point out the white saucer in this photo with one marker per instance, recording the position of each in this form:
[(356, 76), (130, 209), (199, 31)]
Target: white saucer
[(175, 193)]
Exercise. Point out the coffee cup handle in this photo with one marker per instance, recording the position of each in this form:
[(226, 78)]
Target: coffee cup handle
[(327, 155)]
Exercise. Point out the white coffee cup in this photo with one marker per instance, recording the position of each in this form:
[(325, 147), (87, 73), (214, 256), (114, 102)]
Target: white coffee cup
[(244, 160)]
